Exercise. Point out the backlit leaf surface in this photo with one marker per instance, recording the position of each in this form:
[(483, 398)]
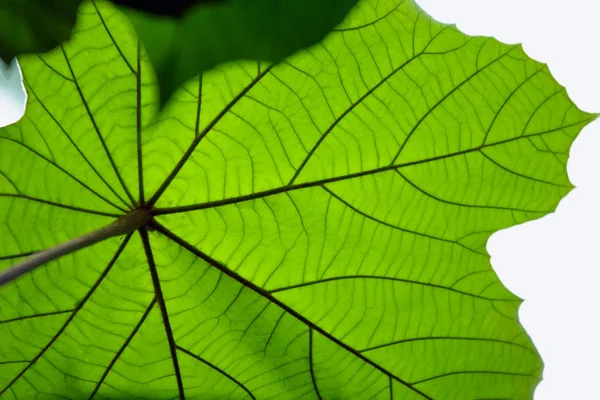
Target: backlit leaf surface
[(320, 224)]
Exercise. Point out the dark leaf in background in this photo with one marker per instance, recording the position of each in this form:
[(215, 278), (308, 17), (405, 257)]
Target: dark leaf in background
[(34, 26), (206, 36), (161, 7), (205, 33)]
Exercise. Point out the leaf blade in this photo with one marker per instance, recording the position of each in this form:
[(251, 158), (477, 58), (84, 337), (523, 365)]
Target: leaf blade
[(321, 222)]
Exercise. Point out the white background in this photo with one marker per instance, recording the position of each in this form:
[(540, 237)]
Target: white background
[(552, 263)]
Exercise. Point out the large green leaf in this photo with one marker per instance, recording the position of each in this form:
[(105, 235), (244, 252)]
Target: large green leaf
[(210, 34), (320, 224)]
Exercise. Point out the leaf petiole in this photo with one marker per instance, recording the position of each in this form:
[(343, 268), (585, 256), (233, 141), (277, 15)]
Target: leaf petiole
[(122, 226)]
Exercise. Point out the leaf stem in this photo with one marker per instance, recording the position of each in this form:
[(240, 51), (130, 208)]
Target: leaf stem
[(122, 226)]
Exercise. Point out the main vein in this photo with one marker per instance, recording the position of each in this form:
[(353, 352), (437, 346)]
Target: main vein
[(283, 189), (268, 296)]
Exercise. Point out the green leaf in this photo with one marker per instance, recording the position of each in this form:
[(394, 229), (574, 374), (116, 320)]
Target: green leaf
[(319, 225), (34, 26), (210, 34)]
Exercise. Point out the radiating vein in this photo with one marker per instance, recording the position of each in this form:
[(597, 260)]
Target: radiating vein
[(311, 362), (356, 210), (508, 373), (112, 38), (442, 100), (70, 139), (59, 205), (18, 255), (51, 68), (7, 321), (510, 171), (204, 132), (454, 203), (282, 305), (222, 372), (163, 308), (138, 120), (345, 113), (506, 101), (283, 189), (199, 108), (457, 338), (72, 316), (385, 278), (358, 27), (97, 128), (123, 347), (70, 175)]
